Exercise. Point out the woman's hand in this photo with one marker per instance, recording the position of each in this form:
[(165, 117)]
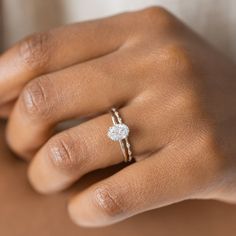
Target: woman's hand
[(175, 92)]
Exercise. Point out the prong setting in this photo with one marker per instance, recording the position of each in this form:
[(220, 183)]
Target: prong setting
[(118, 132)]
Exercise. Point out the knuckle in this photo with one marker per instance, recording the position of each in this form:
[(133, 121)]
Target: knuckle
[(35, 98), (155, 11), (110, 203), (158, 16), (177, 58), (34, 51), (63, 151)]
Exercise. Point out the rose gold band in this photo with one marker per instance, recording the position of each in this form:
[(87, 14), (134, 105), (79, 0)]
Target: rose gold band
[(124, 143)]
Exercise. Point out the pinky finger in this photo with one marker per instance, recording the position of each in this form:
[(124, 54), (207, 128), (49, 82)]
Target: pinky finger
[(154, 182)]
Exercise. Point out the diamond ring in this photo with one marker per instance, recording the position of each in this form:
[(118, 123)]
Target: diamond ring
[(120, 132)]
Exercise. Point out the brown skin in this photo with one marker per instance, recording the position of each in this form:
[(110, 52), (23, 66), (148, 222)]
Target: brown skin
[(19, 203), (175, 92)]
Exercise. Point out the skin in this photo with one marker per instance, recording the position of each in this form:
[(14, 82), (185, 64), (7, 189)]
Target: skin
[(18, 203), (174, 91)]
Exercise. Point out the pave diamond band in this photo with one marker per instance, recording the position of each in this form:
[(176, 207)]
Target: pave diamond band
[(120, 132)]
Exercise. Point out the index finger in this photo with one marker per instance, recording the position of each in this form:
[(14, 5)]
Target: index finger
[(57, 49)]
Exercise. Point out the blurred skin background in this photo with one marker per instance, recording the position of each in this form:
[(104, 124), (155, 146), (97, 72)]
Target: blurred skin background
[(24, 212)]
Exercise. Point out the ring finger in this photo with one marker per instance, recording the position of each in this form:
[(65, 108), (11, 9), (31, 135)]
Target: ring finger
[(79, 150)]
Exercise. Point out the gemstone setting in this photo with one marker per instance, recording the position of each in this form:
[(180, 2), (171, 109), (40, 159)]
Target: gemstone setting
[(118, 132)]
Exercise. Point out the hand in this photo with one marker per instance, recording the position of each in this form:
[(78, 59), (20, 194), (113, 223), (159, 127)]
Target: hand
[(19, 203), (174, 91)]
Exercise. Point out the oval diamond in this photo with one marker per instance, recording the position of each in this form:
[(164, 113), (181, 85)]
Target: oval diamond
[(118, 132)]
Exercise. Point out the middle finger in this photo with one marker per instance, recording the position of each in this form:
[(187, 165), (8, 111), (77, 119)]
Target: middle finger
[(82, 90)]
